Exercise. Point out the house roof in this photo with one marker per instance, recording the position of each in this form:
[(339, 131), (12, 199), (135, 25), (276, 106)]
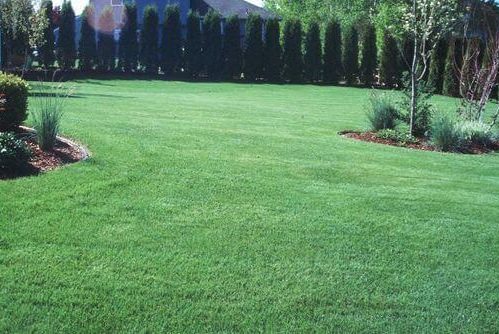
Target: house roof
[(240, 8)]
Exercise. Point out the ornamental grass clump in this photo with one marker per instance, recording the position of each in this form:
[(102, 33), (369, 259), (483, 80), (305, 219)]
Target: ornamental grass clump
[(383, 114), (49, 105), (445, 133)]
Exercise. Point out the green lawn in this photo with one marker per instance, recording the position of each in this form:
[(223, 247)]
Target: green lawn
[(238, 208)]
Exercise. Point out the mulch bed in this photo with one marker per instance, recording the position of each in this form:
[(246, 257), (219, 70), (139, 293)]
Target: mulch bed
[(421, 144), (64, 152)]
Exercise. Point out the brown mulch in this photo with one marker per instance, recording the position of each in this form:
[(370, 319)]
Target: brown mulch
[(421, 144), (41, 161)]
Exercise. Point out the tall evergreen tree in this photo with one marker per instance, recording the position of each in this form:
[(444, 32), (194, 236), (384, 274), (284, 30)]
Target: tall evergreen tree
[(253, 48), (66, 47), (389, 69), (128, 44), (292, 55), (450, 86), (105, 40), (47, 50), (272, 51), (369, 59), (193, 45), (232, 53), (87, 48), (149, 40), (351, 55), (212, 44), (171, 40), (333, 67), (313, 53), (437, 66)]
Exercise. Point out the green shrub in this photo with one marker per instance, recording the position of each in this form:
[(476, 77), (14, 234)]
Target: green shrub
[(128, 43), (333, 67), (351, 55), (212, 44), (253, 48), (292, 56), (193, 45), (369, 59), (47, 50), (445, 133), (396, 135), (149, 58), (313, 53), (475, 133), (272, 50), (232, 53), (389, 70), (171, 40), (383, 113), (14, 101), (105, 40), (48, 113), (14, 152), (87, 47), (66, 46), (424, 108)]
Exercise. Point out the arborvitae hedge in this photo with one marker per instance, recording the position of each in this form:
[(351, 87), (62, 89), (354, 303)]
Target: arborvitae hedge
[(437, 66), (292, 51), (253, 48), (313, 53), (450, 84), (389, 68), (333, 67), (193, 45), (149, 40), (105, 40), (128, 44), (272, 51), (171, 41), (66, 48), (369, 60), (47, 50), (232, 53), (212, 44), (351, 55), (87, 48)]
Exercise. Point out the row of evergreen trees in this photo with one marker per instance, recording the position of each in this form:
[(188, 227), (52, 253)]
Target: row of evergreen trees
[(206, 51)]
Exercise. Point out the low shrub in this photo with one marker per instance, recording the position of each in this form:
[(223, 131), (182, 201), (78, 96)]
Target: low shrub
[(475, 133), (396, 135), (445, 133), (13, 100), (424, 109), (14, 152), (383, 113)]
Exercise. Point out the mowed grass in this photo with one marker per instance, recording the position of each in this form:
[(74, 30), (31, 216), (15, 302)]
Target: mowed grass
[(238, 208)]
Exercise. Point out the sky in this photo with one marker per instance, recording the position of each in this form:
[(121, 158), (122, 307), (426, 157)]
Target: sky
[(78, 5)]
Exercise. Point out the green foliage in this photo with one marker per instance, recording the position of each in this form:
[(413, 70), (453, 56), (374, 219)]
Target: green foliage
[(333, 67), (369, 60), (193, 45), (445, 134), (424, 109), (389, 70), (253, 48), (13, 101), (351, 55), (475, 133), (105, 40), (46, 118), (212, 44), (47, 49), (87, 50), (313, 53), (171, 41), (450, 86), (232, 53), (14, 152), (272, 51), (437, 66), (402, 137), (66, 47), (383, 113), (128, 44), (292, 56), (149, 36), (16, 23)]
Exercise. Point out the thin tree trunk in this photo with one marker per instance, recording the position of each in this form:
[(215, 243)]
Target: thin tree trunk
[(414, 80)]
